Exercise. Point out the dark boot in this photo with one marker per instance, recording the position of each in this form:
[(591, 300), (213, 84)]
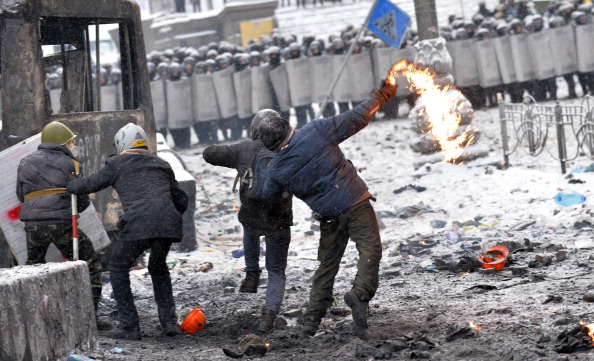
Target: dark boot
[(310, 325), (125, 334), (250, 283), (359, 310), (266, 321), (102, 325), (168, 321)]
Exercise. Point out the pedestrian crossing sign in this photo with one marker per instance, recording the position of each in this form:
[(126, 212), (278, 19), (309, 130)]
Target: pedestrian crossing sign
[(389, 23)]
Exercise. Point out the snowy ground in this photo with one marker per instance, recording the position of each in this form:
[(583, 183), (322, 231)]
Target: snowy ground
[(420, 311)]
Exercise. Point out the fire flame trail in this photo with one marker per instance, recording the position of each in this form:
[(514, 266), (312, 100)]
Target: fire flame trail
[(590, 330), (473, 326), (442, 107)]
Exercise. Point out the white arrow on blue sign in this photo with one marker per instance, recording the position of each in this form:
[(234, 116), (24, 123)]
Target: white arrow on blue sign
[(389, 23)]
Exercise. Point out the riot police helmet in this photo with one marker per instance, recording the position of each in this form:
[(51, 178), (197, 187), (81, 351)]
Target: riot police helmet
[(482, 34), (210, 65), (212, 54), (254, 58), (163, 69), (175, 71), (200, 67), (294, 51), (188, 65), (222, 61)]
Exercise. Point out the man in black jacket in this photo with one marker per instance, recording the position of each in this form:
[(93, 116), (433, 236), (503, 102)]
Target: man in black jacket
[(271, 219), (153, 206), (47, 208)]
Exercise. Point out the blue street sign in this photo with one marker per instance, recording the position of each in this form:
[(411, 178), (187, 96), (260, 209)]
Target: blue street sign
[(389, 23)]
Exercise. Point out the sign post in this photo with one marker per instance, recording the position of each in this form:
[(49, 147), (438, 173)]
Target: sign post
[(388, 22)]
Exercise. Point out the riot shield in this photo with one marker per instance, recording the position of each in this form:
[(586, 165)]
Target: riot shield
[(242, 81), (299, 83), (584, 38), (343, 91), (486, 60), (360, 72), (382, 61), (55, 95), (179, 104), (278, 77), (522, 59), (111, 96), (564, 50), (464, 64), (225, 91), (205, 100), (505, 59), (159, 103), (320, 77), (542, 55), (261, 88)]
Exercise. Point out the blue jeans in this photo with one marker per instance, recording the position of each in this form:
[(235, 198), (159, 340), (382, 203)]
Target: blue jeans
[(277, 250), (123, 256)]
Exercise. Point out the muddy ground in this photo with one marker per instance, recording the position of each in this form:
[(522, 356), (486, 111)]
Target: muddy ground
[(425, 301)]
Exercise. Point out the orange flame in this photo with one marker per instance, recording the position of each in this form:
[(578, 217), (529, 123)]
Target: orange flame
[(473, 326), (590, 330), (442, 107), (236, 208), (267, 344)]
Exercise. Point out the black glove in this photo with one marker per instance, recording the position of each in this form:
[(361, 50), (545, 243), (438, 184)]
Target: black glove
[(385, 92)]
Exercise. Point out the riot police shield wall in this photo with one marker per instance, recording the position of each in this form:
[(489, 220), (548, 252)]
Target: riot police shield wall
[(179, 104), (159, 104), (261, 88), (505, 59), (584, 38), (111, 97), (488, 68), (205, 101), (55, 95), (299, 81), (564, 50), (539, 47), (343, 91), (278, 77), (242, 81), (522, 59), (225, 91), (465, 69), (320, 68), (360, 72)]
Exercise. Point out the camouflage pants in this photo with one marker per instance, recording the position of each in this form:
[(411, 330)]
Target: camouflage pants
[(359, 223), (39, 237)]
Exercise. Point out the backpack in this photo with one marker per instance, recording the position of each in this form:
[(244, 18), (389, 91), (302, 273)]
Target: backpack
[(255, 176)]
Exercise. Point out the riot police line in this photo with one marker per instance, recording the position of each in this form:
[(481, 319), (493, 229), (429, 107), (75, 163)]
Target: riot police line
[(210, 97), (523, 57)]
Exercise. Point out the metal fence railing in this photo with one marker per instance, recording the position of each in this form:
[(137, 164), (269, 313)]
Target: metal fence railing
[(526, 127)]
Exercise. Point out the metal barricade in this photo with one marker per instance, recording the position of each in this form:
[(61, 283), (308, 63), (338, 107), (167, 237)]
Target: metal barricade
[(526, 126)]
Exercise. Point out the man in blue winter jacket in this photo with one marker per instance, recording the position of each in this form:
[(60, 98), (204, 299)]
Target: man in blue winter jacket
[(311, 165)]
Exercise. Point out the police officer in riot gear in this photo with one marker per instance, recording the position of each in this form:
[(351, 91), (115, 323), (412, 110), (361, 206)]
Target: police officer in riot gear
[(294, 52)]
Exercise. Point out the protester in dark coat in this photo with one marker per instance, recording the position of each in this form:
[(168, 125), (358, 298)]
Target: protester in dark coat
[(47, 208), (311, 165), (153, 206), (271, 219)]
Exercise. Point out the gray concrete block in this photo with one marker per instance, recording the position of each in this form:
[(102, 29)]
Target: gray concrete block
[(46, 311)]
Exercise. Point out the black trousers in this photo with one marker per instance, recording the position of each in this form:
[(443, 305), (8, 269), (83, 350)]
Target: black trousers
[(122, 258)]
